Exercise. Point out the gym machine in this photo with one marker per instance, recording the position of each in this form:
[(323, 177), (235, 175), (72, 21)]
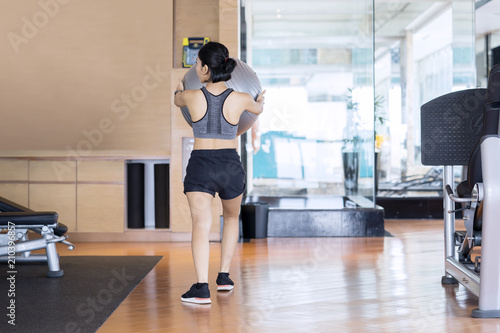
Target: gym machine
[(462, 129)]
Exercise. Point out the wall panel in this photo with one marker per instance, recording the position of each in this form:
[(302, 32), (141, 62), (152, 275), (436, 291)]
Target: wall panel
[(84, 77)]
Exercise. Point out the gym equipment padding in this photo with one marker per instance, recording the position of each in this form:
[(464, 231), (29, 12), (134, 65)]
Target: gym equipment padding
[(494, 84), (243, 79), (451, 126), (16, 221)]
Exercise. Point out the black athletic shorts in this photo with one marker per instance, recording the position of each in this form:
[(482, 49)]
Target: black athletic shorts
[(213, 171)]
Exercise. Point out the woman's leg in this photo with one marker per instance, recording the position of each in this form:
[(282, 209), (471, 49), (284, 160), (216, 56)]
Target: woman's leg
[(230, 233), (200, 204)]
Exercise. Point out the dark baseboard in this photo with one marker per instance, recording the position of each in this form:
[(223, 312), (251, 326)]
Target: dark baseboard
[(323, 216)]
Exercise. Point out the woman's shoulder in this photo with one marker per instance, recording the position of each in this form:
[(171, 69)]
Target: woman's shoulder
[(192, 93), (188, 97), (241, 95)]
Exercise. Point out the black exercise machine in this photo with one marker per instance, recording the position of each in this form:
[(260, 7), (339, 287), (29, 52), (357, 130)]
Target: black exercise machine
[(462, 129), (16, 223)]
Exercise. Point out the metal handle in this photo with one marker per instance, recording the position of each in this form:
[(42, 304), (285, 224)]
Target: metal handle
[(454, 198)]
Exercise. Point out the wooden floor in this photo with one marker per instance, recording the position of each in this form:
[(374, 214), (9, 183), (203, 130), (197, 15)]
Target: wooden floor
[(390, 284)]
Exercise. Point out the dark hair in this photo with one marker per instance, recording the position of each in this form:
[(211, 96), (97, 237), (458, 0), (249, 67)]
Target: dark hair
[(216, 57)]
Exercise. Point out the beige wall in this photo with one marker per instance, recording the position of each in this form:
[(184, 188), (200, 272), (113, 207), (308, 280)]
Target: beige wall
[(86, 86), (194, 19), (83, 77)]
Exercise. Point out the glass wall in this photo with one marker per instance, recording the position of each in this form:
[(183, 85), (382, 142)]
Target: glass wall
[(345, 81), (487, 39), (315, 59), (423, 50), (487, 55)]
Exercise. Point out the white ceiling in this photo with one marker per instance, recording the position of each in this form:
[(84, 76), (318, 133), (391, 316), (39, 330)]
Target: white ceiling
[(488, 18), (308, 22), (333, 24)]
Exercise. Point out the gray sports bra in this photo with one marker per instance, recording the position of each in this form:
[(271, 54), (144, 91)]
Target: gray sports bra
[(213, 125)]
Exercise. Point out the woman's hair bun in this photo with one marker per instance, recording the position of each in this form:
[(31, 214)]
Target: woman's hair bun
[(229, 65), (216, 57)]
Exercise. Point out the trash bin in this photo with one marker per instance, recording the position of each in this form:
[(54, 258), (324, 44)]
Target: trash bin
[(254, 216)]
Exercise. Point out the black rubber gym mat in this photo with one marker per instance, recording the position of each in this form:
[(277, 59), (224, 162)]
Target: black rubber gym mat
[(90, 290)]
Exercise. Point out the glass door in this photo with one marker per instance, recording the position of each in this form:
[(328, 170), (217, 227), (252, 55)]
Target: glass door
[(316, 135)]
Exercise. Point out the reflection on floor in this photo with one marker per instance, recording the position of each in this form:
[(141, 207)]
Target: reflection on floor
[(302, 285)]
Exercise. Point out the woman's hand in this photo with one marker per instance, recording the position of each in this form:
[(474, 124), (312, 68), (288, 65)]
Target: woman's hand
[(256, 105), (260, 97)]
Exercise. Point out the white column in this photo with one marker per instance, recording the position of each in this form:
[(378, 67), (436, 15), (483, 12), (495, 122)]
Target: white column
[(149, 194), (410, 117)]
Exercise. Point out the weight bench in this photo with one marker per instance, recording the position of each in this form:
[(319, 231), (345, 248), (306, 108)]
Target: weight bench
[(462, 128), (15, 223)]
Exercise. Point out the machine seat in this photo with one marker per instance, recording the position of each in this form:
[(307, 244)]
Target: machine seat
[(28, 218), (463, 190)]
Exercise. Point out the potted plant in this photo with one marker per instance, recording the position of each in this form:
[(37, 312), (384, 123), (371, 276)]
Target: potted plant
[(379, 118)]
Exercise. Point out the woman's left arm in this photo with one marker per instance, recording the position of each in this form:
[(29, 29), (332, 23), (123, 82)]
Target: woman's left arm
[(179, 98)]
